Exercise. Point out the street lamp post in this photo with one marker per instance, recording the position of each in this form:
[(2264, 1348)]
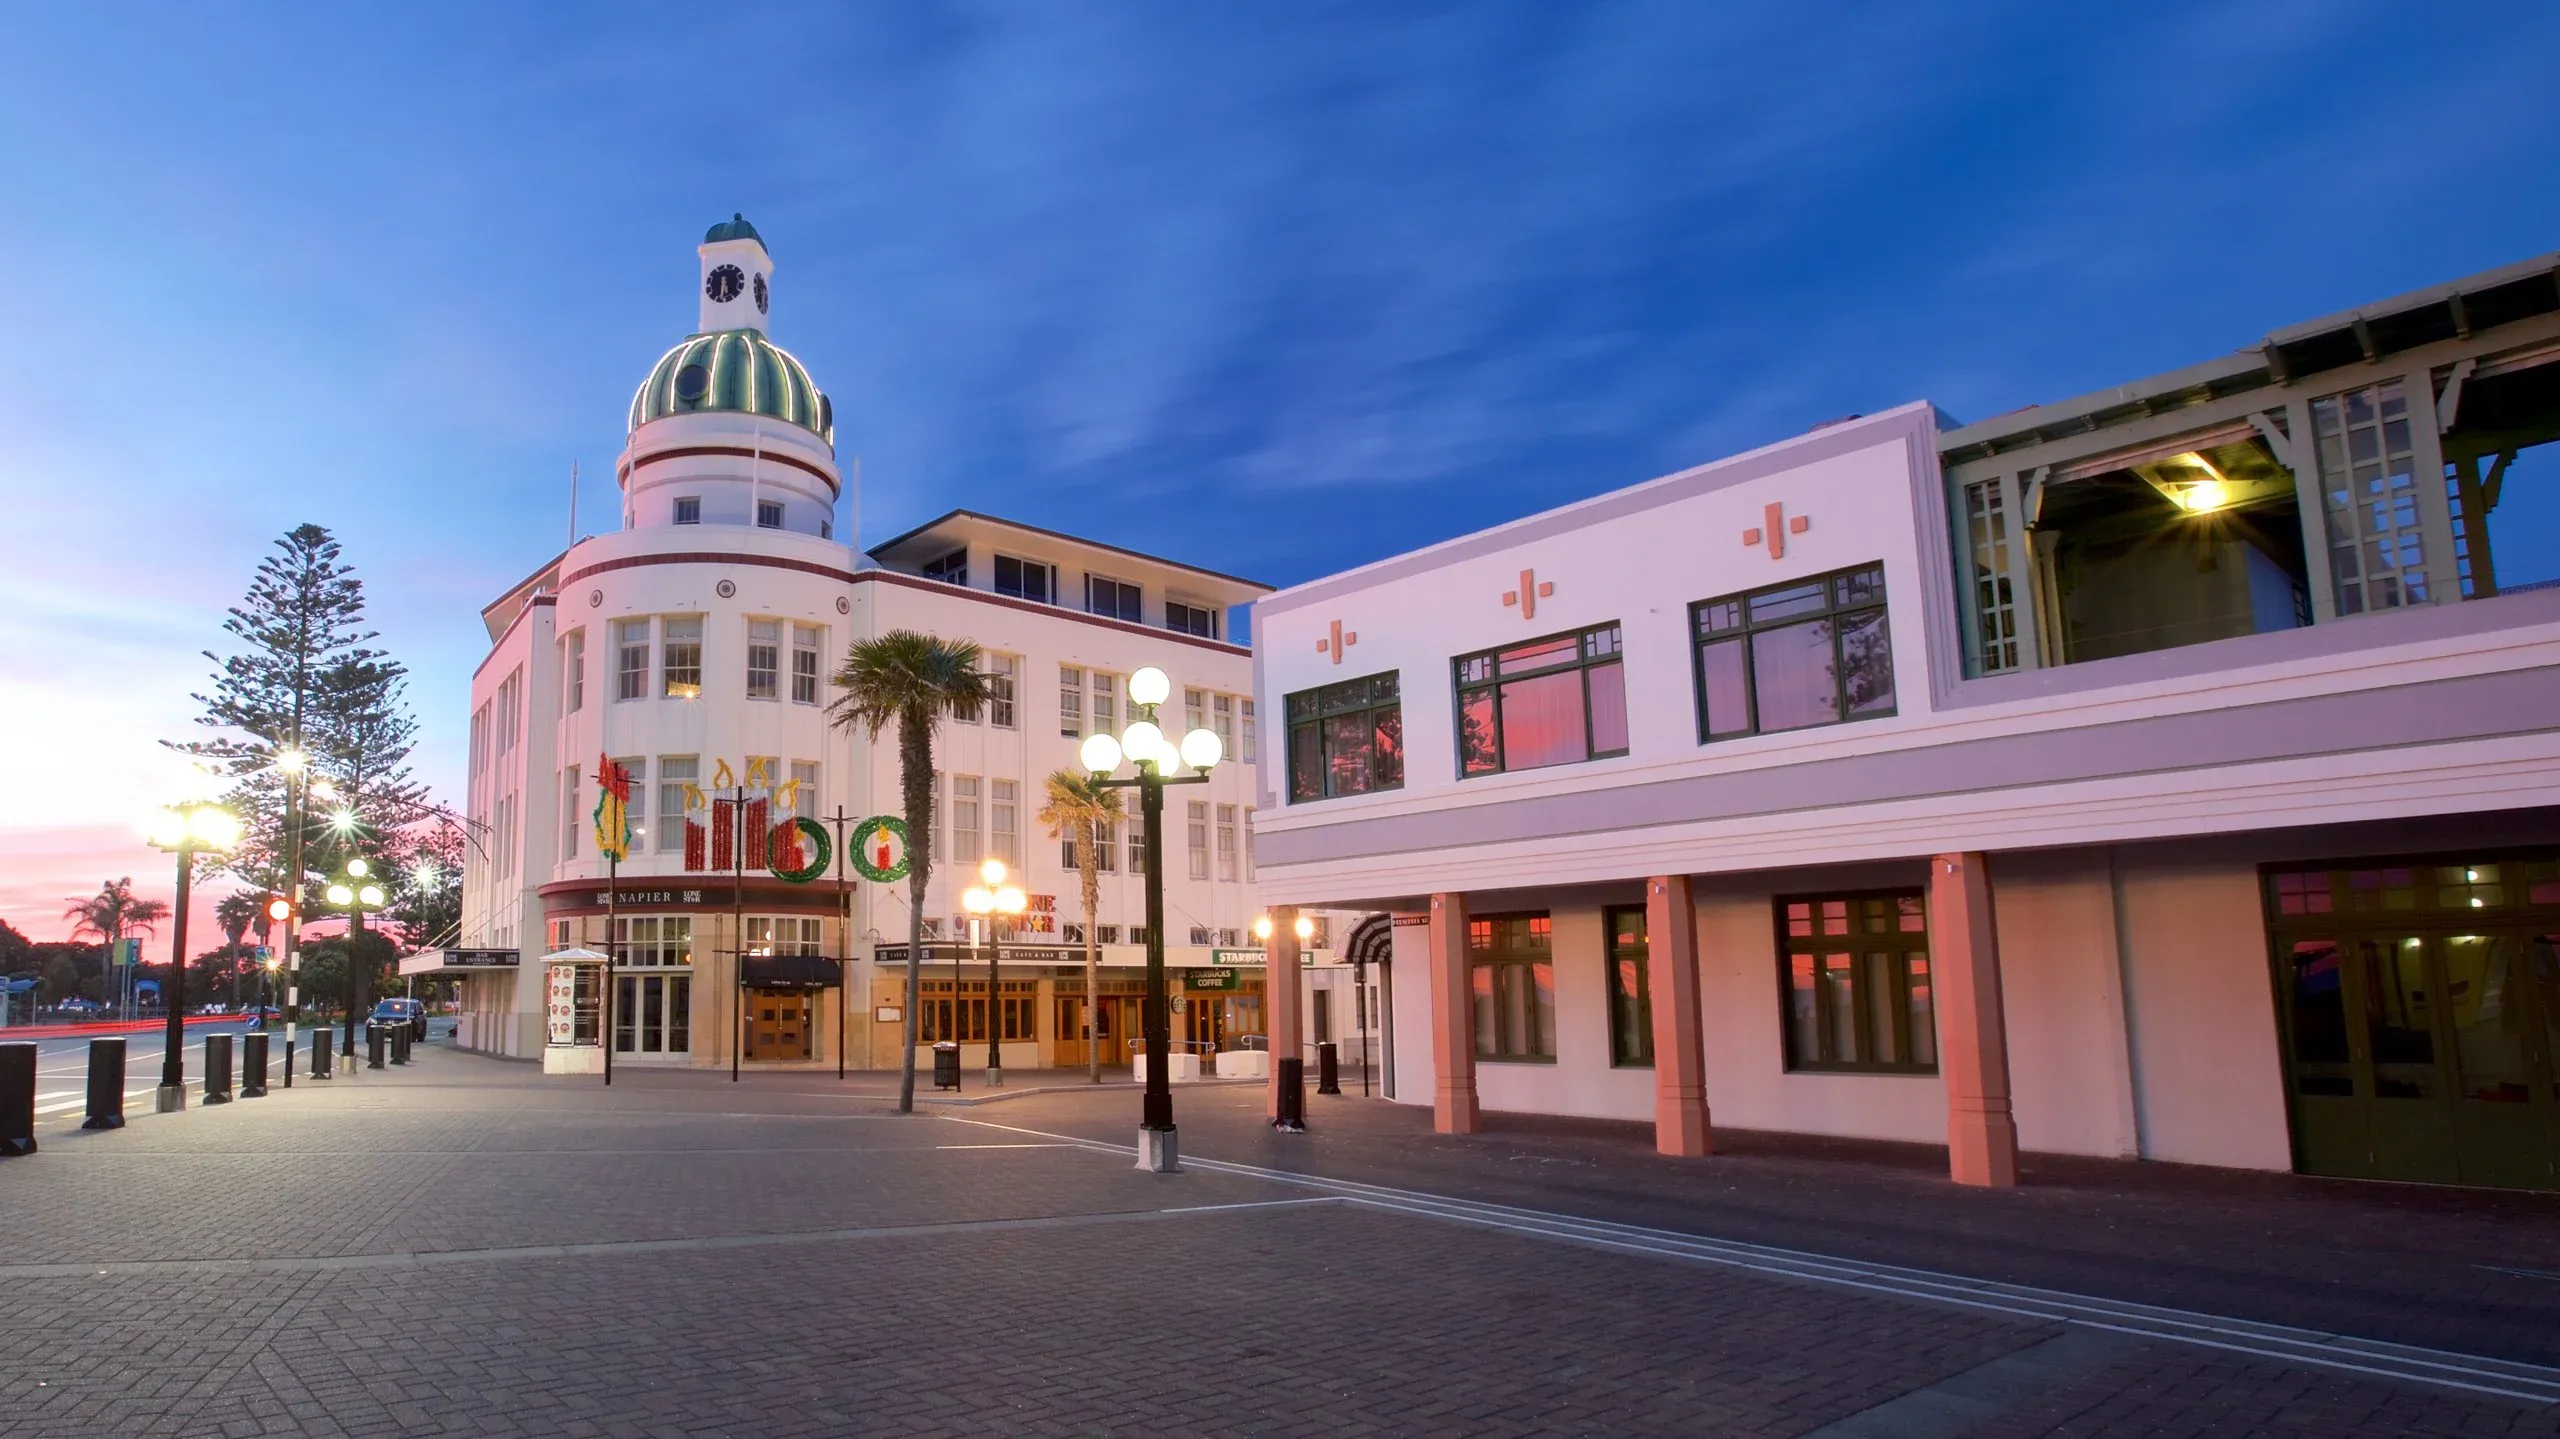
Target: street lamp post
[(185, 831), (1288, 1070), (356, 893), (1158, 763), (993, 902)]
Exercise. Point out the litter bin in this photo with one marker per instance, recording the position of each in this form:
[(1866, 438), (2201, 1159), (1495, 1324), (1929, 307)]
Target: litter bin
[(946, 1066), (1328, 1068)]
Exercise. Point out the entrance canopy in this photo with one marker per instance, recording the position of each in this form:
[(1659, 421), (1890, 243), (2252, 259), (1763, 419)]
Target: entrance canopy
[(789, 971), (445, 961)]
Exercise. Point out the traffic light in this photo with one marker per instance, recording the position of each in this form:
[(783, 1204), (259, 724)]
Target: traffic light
[(279, 909)]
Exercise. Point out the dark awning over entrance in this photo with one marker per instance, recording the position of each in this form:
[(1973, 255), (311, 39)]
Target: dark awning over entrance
[(790, 971)]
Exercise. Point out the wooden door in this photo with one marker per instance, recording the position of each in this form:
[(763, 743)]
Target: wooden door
[(778, 1024)]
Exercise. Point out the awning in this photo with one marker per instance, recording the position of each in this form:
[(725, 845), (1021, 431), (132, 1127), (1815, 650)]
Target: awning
[(448, 961), (790, 971)]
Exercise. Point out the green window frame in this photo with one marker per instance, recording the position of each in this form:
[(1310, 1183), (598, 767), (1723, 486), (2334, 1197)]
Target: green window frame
[(1511, 976), (1558, 699), (1855, 990), (1346, 738), (1752, 655), (1630, 989)]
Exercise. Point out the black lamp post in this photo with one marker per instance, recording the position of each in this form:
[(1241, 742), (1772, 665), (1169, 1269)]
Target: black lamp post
[(356, 893), (1158, 763), (187, 831), (993, 903)]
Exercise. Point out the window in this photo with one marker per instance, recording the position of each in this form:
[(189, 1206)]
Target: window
[(1070, 702), (1855, 970), (1511, 969), (764, 659), (806, 641), (1004, 802), (1559, 700), (1226, 841), (785, 934), (631, 659), (651, 940), (1248, 850), (1195, 710), (675, 773), (1630, 990), (1191, 619), (1199, 822), (1995, 608), (768, 514), (1201, 935), (569, 813), (964, 820), (1001, 672), (1137, 835), (683, 649), (1106, 934), (1814, 652), (1106, 702), (804, 798), (951, 569), (689, 510), (1113, 599), (1222, 721), (1026, 579), (1246, 753), (1343, 739), (826, 529), (573, 672), (2368, 485)]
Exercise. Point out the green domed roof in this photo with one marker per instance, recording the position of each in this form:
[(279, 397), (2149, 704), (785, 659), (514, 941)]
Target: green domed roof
[(733, 370), (733, 228)]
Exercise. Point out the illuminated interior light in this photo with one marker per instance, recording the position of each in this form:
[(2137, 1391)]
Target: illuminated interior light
[(2205, 495)]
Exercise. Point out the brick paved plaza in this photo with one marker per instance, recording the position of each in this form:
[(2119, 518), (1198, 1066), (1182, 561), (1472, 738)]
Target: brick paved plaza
[(466, 1247)]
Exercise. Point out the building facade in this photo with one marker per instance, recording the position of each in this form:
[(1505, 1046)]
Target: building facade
[(2162, 773), (695, 648)]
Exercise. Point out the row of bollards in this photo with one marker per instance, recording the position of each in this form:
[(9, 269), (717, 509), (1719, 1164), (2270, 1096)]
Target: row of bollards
[(107, 1071)]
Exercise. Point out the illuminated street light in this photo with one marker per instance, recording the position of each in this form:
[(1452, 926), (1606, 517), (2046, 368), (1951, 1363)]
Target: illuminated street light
[(185, 831), (994, 902)]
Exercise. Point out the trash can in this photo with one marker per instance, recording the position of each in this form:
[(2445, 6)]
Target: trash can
[(1328, 1068), (946, 1066)]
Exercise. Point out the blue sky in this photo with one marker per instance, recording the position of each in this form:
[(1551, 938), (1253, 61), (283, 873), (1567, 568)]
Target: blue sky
[(1276, 288)]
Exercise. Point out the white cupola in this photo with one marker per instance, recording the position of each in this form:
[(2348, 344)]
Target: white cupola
[(737, 278)]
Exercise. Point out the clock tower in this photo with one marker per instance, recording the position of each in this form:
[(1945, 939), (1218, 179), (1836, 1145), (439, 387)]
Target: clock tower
[(737, 278)]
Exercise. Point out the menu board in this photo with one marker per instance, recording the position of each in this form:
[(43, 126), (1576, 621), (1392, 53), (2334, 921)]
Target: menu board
[(572, 1002)]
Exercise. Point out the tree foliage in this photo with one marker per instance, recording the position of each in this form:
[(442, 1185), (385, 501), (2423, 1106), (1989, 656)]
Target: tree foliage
[(1079, 807)]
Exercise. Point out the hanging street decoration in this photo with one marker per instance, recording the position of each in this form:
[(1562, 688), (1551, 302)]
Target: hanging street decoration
[(613, 810), (879, 847), (798, 850)]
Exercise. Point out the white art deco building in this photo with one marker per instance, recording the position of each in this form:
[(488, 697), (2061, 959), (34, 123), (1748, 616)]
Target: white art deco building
[(694, 647)]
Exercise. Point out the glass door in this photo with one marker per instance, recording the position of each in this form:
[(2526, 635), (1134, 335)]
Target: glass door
[(652, 1014)]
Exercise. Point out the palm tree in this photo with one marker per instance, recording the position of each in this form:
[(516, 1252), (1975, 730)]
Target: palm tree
[(237, 911), (910, 680), (1079, 807), (110, 912)]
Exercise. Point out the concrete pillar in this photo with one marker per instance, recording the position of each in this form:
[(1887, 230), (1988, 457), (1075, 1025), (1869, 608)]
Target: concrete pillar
[(1284, 1022), (1679, 1051), (1453, 1028), (1973, 1035)]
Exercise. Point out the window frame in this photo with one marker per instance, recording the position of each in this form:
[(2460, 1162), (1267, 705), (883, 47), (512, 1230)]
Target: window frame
[(950, 569), (574, 669), (1128, 600), (1204, 627), (773, 508), (1527, 960), (813, 651), (633, 636), (1898, 942), (768, 674), (668, 669), (1629, 1051), (1584, 661), (687, 510), (1833, 609), (1022, 570), (1364, 690)]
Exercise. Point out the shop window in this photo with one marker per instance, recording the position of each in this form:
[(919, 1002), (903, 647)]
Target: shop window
[(1858, 991), (1630, 990), (1813, 652), (1511, 968), (1345, 738), (1558, 700)]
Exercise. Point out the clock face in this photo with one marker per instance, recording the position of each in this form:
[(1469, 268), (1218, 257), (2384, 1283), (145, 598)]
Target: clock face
[(724, 283), (760, 294)]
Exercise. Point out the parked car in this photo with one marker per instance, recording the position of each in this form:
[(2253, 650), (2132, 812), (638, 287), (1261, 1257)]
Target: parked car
[(391, 1013)]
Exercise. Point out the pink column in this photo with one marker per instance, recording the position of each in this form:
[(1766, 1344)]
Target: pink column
[(1284, 1026), (1453, 1030), (1973, 1036), (1680, 1123)]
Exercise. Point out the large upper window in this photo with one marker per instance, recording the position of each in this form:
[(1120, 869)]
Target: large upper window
[(1026, 579), (1856, 971), (805, 643), (682, 669), (1191, 619), (1813, 652), (1558, 700), (1346, 738), (764, 659), (951, 569), (630, 659), (1511, 967), (1115, 599)]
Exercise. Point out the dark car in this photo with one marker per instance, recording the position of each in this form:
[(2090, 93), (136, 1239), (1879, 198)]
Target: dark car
[(394, 1013)]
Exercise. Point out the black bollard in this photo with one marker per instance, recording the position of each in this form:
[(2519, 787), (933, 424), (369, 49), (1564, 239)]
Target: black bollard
[(320, 1053), (1293, 1096), (106, 1085), (217, 1069), (253, 1065), (373, 1046), (400, 1044), (1328, 1068), (17, 1099)]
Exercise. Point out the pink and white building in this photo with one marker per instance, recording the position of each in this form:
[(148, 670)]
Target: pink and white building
[(2162, 773)]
